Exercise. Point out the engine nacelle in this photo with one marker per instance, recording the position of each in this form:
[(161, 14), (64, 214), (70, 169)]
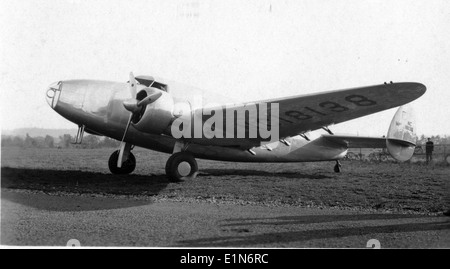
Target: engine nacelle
[(155, 117)]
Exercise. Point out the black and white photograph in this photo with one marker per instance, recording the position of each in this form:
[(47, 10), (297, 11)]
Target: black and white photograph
[(243, 126)]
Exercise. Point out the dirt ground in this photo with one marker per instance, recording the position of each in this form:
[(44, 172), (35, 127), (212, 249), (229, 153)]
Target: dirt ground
[(35, 218), (378, 187)]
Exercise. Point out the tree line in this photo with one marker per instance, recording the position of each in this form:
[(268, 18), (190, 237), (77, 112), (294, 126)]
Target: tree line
[(437, 139), (93, 141), (64, 141)]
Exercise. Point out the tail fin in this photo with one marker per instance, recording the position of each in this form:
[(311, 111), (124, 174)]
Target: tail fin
[(401, 137)]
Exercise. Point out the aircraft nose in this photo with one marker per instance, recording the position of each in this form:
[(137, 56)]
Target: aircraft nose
[(52, 93)]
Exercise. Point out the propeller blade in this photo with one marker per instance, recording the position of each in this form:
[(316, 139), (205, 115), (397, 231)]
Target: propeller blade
[(132, 85), (149, 99), (131, 105)]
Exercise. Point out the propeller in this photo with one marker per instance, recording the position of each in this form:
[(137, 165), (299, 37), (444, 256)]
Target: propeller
[(135, 106)]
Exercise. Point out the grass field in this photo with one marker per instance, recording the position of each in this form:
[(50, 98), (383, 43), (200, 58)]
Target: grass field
[(370, 186)]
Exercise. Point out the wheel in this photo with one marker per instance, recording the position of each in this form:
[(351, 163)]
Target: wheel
[(127, 167), (337, 167), (181, 165)]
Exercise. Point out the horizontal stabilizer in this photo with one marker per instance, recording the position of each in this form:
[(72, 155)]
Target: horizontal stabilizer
[(350, 141), (400, 141)]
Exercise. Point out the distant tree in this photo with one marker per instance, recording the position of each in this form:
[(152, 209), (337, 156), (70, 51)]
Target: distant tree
[(437, 139), (49, 141), (109, 143), (29, 142), (422, 140), (65, 140), (6, 141), (18, 141), (39, 142), (446, 139), (91, 142)]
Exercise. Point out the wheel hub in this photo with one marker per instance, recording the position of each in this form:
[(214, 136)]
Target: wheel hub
[(184, 168)]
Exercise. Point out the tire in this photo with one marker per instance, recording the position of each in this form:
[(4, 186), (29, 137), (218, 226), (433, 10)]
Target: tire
[(127, 167), (175, 173)]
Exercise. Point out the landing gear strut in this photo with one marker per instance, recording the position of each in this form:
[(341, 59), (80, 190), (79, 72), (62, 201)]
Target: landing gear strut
[(337, 167), (128, 165), (181, 165)]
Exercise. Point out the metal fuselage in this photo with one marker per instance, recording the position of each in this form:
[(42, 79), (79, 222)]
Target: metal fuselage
[(98, 105)]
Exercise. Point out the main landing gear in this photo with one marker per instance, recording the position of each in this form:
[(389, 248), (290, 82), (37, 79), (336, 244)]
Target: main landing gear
[(337, 167), (181, 165), (128, 165)]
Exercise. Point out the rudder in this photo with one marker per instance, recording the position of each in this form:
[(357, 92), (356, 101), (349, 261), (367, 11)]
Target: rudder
[(401, 136)]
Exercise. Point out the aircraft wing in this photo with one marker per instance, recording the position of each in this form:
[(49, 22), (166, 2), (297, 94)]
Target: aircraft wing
[(303, 113)]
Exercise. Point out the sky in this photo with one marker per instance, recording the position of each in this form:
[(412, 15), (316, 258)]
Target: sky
[(250, 50)]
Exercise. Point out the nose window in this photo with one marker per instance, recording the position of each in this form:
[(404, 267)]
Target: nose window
[(51, 92)]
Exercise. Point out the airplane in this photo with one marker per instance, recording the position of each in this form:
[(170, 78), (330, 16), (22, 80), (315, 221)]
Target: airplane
[(142, 112)]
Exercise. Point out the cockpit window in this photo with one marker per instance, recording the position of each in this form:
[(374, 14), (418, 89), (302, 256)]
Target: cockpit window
[(55, 86), (151, 82), (162, 87)]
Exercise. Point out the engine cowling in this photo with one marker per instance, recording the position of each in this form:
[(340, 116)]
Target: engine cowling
[(155, 117)]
